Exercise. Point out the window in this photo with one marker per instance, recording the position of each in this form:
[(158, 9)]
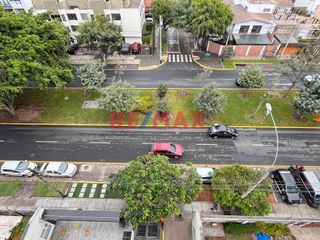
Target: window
[(56, 17), (73, 7), (72, 16), (244, 29), (63, 17), (16, 1), (126, 236), (142, 230), (84, 16), (266, 9), (256, 29), (116, 16), (315, 33), (74, 28)]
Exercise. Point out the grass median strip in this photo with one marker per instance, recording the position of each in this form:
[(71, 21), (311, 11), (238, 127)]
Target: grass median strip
[(65, 106), (231, 63), (44, 190), (9, 188)]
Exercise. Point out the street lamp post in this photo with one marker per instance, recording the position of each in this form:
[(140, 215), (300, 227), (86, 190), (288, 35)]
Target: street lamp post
[(269, 112), (160, 42)]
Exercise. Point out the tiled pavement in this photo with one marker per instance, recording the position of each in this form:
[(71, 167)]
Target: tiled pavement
[(87, 190)]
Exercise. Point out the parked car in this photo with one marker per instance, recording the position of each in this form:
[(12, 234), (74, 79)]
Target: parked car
[(149, 20), (206, 174), (286, 186), (224, 131), (58, 169), (18, 168), (136, 47), (309, 185), (311, 78), (167, 149), (125, 48)]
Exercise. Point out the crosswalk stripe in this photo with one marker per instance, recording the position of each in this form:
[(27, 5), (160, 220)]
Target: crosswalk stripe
[(190, 58), (178, 59), (186, 57), (181, 58), (170, 57), (173, 58)]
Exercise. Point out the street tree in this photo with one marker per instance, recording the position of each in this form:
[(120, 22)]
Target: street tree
[(162, 105), (228, 185), (153, 188), (298, 66), (162, 90), (119, 97), (100, 33), (32, 53), (165, 8), (210, 100), (308, 99), (92, 75), (203, 17), (252, 77)]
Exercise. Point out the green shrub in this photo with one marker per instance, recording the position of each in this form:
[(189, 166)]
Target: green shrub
[(145, 103), (260, 227), (162, 90), (146, 39)]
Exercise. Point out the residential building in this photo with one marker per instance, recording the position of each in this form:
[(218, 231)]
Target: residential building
[(16, 5), (127, 13)]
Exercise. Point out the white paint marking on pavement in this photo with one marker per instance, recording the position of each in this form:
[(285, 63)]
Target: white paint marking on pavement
[(186, 57), (206, 144), (262, 145), (283, 84), (275, 198), (190, 58), (181, 58), (99, 142), (178, 59), (147, 143), (170, 58), (173, 58), (1, 140), (46, 141)]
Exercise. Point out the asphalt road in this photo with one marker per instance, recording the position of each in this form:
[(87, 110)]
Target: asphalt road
[(84, 144)]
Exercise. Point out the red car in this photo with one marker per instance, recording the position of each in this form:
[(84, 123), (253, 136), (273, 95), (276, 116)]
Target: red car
[(136, 47), (168, 149)]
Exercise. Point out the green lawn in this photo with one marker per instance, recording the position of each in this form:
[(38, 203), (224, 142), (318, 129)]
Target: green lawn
[(43, 190), (65, 106), (230, 63), (9, 188)]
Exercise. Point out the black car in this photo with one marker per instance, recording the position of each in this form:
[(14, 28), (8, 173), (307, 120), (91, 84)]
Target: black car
[(125, 48), (286, 186), (224, 131)]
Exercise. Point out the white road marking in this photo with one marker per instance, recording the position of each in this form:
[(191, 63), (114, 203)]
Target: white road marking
[(99, 142), (173, 58), (283, 84), (186, 57), (262, 145), (46, 141), (178, 59), (275, 198), (190, 58), (170, 58), (182, 60), (147, 143), (206, 144), (1, 140)]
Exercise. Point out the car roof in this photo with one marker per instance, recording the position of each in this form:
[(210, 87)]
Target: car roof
[(313, 180), (287, 177), (220, 128), (205, 171), (161, 146), (53, 166), (10, 164)]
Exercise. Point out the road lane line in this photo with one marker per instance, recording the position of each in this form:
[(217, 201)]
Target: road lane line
[(262, 145), (206, 144), (99, 142), (147, 143), (1, 140), (46, 141)]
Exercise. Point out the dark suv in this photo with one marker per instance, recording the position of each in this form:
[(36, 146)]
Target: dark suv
[(286, 186)]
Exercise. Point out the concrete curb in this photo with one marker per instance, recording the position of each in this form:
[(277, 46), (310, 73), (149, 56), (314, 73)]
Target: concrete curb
[(210, 68)]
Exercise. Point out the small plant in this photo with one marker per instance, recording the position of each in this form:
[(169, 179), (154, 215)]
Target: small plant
[(260, 227), (144, 104), (162, 90), (162, 106)]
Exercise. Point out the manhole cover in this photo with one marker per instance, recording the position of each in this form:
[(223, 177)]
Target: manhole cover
[(86, 168)]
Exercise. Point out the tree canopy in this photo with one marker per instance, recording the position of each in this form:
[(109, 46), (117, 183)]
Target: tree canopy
[(32, 53), (252, 77), (100, 33), (165, 8), (210, 100), (229, 183), (92, 75), (118, 97), (297, 67), (153, 188)]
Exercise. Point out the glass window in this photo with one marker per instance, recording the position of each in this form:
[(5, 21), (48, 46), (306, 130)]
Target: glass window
[(244, 29), (116, 16), (142, 230), (266, 9), (152, 231), (72, 16), (63, 167), (84, 16), (292, 189), (63, 17), (74, 28), (256, 29), (172, 148), (22, 166)]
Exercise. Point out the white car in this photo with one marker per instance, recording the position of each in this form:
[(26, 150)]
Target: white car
[(311, 78), (205, 173), (58, 169), (18, 168)]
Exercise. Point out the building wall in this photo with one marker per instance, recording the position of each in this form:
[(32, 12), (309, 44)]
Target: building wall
[(302, 3), (266, 27), (256, 7), (16, 5)]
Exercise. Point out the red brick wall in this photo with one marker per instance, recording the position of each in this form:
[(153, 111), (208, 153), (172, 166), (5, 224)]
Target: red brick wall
[(255, 51), (214, 47), (241, 50)]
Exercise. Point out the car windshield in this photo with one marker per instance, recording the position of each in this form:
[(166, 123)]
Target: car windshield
[(229, 129), (22, 166), (63, 167), (292, 189), (317, 197), (172, 148)]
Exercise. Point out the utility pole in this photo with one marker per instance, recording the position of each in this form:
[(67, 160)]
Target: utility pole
[(160, 42), (36, 173)]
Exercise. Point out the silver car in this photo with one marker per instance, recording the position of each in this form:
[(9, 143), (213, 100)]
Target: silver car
[(206, 174), (58, 169), (18, 168)]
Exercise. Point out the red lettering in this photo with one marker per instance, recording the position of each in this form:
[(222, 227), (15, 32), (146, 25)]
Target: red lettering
[(197, 116), (180, 120), (116, 119), (133, 120), (164, 117)]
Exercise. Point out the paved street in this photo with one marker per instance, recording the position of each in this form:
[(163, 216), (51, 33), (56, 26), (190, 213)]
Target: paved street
[(84, 144)]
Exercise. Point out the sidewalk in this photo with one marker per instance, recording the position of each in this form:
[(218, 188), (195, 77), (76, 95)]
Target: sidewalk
[(207, 60)]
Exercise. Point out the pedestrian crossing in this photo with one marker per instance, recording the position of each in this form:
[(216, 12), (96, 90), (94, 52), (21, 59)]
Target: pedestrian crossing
[(179, 58)]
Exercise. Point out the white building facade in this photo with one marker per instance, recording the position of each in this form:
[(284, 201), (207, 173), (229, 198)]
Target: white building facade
[(129, 14), (16, 5)]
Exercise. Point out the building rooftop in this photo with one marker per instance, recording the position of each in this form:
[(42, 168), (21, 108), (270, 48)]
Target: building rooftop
[(251, 39), (261, 1)]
